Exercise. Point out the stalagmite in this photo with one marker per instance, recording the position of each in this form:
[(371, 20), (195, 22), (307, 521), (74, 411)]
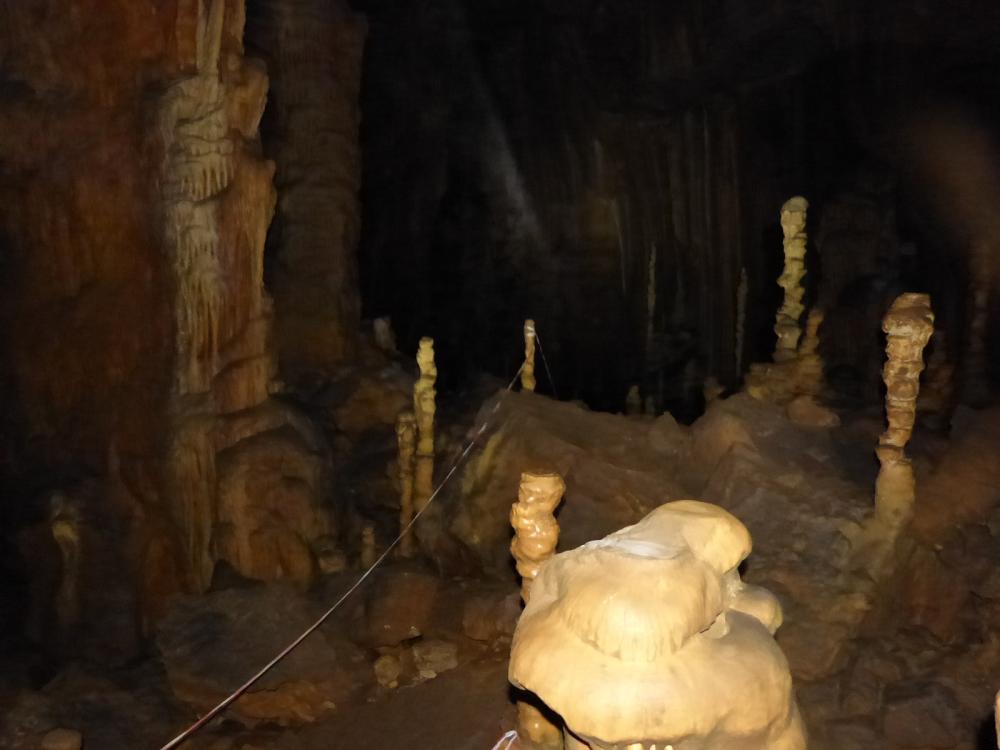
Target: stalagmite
[(908, 325), (536, 534), (810, 364), (406, 437), (649, 638), (528, 371), (424, 408), (787, 328), (65, 524), (368, 553), (633, 401)]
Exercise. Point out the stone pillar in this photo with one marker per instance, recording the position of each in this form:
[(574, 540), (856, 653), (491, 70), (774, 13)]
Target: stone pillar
[(424, 408), (536, 534), (528, 371), (908, 325), (787, 327), (810, 364), (406, 437)]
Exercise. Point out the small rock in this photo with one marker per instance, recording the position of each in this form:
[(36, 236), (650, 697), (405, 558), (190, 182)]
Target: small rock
[(62, 739), (387, 670), (434, 657)]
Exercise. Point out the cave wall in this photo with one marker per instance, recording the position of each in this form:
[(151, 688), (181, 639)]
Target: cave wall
[(525, 161), (138, 356)]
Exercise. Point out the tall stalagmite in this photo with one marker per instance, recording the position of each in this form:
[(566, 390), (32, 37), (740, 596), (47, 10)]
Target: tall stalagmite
[(314, 51), (787, 326), (424, 407), (908, 326)]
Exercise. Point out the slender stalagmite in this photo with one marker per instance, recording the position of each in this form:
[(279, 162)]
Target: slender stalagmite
[(787, 328), (908, 326), (424, 408), (810, 364), (536, 533), (406, 436), (528, 371), (368, 552)]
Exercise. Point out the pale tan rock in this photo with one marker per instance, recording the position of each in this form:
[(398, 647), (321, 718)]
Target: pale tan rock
[(536, 532), (908, 325), (406, 437), (810, 364), (803, 410), (387, 670), (424, 408), (62, 739), (786, 327), (649, 636), (528, 370)]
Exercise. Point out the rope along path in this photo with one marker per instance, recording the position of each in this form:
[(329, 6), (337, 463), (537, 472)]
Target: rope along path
[(235, 695)]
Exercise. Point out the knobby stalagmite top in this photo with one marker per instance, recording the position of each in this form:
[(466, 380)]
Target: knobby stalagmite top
[(649, 635), (787, 327)]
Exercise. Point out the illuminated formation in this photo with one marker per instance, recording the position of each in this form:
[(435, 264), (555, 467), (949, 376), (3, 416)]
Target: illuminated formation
[(787, 327), (424, 408), (528, 371), (406, 437), (908, 326), (536, 533), (648, 638)]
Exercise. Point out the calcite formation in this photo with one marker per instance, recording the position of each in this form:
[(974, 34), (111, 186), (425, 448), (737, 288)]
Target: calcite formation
[(908, 326), (787, 327), (233, 462), (536, 534), (528, 369), (649, 637), (406, 438), (314, 51), (65, 525), (424, 408), (810, 364)]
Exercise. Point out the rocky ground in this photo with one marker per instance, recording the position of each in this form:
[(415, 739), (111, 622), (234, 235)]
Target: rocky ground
[(907, 659)]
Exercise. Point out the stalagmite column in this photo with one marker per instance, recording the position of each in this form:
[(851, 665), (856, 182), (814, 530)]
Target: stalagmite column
[(65, 524), (424, 408), (406, 436), (368, 553), (975, 384), (536, 534), (908, 326), (528, 371), (810, 365), (787, 328)]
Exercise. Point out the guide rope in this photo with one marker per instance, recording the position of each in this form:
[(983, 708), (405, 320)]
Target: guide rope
[(510, 737), (545, 362), (235, 695)]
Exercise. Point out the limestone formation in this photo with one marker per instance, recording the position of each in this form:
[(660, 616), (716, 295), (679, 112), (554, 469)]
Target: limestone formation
[(368, 551), (810, 364), (528, 370), (908, 326), (786, 327), (314, 51), (406, 438), (536, 534), (229, 500), (536, 531), (424, 407), (649, 638), (65, 525)]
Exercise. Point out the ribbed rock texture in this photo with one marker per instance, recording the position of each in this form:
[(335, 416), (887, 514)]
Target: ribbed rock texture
[(313, 49)]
